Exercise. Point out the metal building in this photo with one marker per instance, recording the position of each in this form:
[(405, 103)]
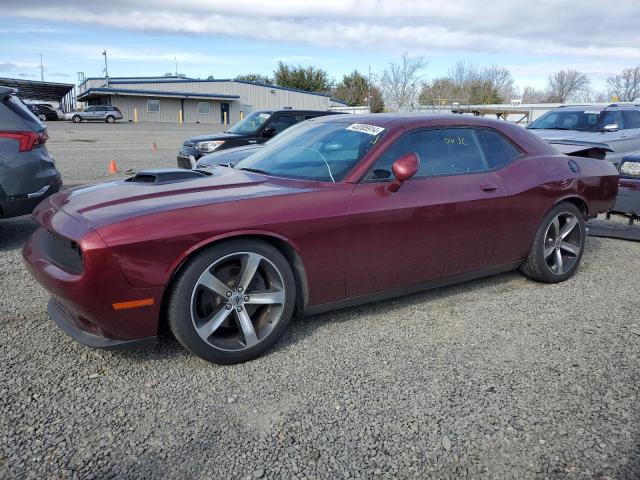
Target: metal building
[(175, 99)]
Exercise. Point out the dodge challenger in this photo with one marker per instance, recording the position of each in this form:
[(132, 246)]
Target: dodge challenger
[(334, 212)]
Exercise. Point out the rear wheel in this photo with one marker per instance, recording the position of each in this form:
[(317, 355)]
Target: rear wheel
[(558, 246), (110, 119), (232, 301), (42, 117), (76, 119)]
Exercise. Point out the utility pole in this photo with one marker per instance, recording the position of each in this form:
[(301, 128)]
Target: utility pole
[(41, 69), (106, 69), (176, 59), (369, 88)]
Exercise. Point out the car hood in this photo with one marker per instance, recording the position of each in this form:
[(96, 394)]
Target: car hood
[(233, 155), (565, 135), (214, 136), (112, 202)]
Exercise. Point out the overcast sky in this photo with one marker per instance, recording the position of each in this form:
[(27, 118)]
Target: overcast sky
[(231, 37)]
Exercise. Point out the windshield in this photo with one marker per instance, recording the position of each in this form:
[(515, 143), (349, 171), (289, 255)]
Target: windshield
[(251, 123), (580, 120), (323, 152)]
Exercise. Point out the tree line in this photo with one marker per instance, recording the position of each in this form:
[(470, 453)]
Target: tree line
[(402, 85)]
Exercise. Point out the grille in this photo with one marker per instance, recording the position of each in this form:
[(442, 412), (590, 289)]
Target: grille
[(61, 251), (188, 144)]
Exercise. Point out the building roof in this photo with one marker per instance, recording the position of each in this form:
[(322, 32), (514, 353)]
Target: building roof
[(141, 80), (35, 90), (102, 91)]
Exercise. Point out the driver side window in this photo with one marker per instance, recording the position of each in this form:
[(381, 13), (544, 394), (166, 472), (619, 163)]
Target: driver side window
[(444, 151)]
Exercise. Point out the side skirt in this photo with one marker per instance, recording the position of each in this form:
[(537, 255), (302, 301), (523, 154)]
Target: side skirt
[(413, 288)]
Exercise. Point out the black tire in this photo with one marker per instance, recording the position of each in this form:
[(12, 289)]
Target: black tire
[(180, 309), (541, 268), (42, 117), (110, 119), (76, 119)]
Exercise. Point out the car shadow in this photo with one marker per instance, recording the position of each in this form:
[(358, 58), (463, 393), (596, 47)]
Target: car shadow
[(14, 232), (303, 327), (631, 470)]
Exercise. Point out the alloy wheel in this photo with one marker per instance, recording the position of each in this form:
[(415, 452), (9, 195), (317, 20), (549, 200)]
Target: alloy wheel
[(237, 301), (562, 243)]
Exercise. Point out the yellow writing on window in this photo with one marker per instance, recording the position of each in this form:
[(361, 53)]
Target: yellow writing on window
[(454, 141)]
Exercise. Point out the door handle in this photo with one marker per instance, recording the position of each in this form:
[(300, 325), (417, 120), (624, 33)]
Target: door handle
[(488, 187)]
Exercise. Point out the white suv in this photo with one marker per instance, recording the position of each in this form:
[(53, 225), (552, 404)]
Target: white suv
[(104, 113)]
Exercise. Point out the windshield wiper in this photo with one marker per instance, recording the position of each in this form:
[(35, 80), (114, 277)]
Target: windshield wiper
[(253, 170)]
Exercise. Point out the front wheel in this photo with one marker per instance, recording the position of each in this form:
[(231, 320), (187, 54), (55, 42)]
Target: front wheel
[(42, 117), (558, 247), (232, 301), (76, 119)]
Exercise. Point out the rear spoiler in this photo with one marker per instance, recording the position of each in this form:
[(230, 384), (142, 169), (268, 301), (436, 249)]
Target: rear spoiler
[(582, 149)]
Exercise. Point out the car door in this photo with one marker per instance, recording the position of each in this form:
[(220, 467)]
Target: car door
[(89, 113), (631, 121), (445, 221), (101, 113)]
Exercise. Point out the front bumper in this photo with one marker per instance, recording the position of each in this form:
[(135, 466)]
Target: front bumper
[(85, 297), (72, 325), (186, 161)]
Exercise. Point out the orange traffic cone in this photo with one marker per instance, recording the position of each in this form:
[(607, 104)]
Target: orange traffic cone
[(112, 167), (154, 147)]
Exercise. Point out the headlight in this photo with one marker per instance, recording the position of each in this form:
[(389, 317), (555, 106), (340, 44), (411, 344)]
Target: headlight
[(208, 146), (631, 169)]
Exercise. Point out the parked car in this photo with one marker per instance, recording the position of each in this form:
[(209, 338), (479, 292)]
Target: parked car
[(43, 112), (628, 199), (227, 158), (254, 129), (27, 171), (617, 126), (103, 113), (333, 214)]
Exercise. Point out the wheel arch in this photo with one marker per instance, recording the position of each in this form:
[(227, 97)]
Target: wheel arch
[(282, 244), (578, 201)]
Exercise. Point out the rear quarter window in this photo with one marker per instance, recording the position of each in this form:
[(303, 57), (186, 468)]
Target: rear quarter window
[(498, 151), (18, 107)]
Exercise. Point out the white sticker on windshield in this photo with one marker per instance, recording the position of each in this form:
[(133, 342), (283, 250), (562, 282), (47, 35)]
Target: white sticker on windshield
[(364, 128), (264, 115), (592, 112)]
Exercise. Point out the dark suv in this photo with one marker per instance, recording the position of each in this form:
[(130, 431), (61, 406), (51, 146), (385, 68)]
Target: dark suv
[(43, 112), (27, 171), (254, 129)]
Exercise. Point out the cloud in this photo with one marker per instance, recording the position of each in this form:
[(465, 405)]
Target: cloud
[(8, 67), (559, 28)]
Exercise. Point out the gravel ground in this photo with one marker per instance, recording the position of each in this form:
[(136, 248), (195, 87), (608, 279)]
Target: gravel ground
[(496, 378), (83, 151)]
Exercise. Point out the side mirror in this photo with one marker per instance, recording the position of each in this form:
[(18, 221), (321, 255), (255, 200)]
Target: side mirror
[(630, 168), (268, 132), (404, 168), (612, 127)]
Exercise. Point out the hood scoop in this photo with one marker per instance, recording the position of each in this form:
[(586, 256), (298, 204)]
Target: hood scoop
[(163, 176)]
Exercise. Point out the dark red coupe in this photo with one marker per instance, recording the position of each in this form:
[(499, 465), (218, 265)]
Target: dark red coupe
[(335, 212)]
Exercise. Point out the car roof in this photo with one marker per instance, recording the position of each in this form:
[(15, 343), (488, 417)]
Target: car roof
[(287, 110), (388, 119), (598, 107)]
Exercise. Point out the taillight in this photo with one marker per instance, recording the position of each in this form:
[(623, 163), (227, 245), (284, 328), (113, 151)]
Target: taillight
[(26, 140)]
